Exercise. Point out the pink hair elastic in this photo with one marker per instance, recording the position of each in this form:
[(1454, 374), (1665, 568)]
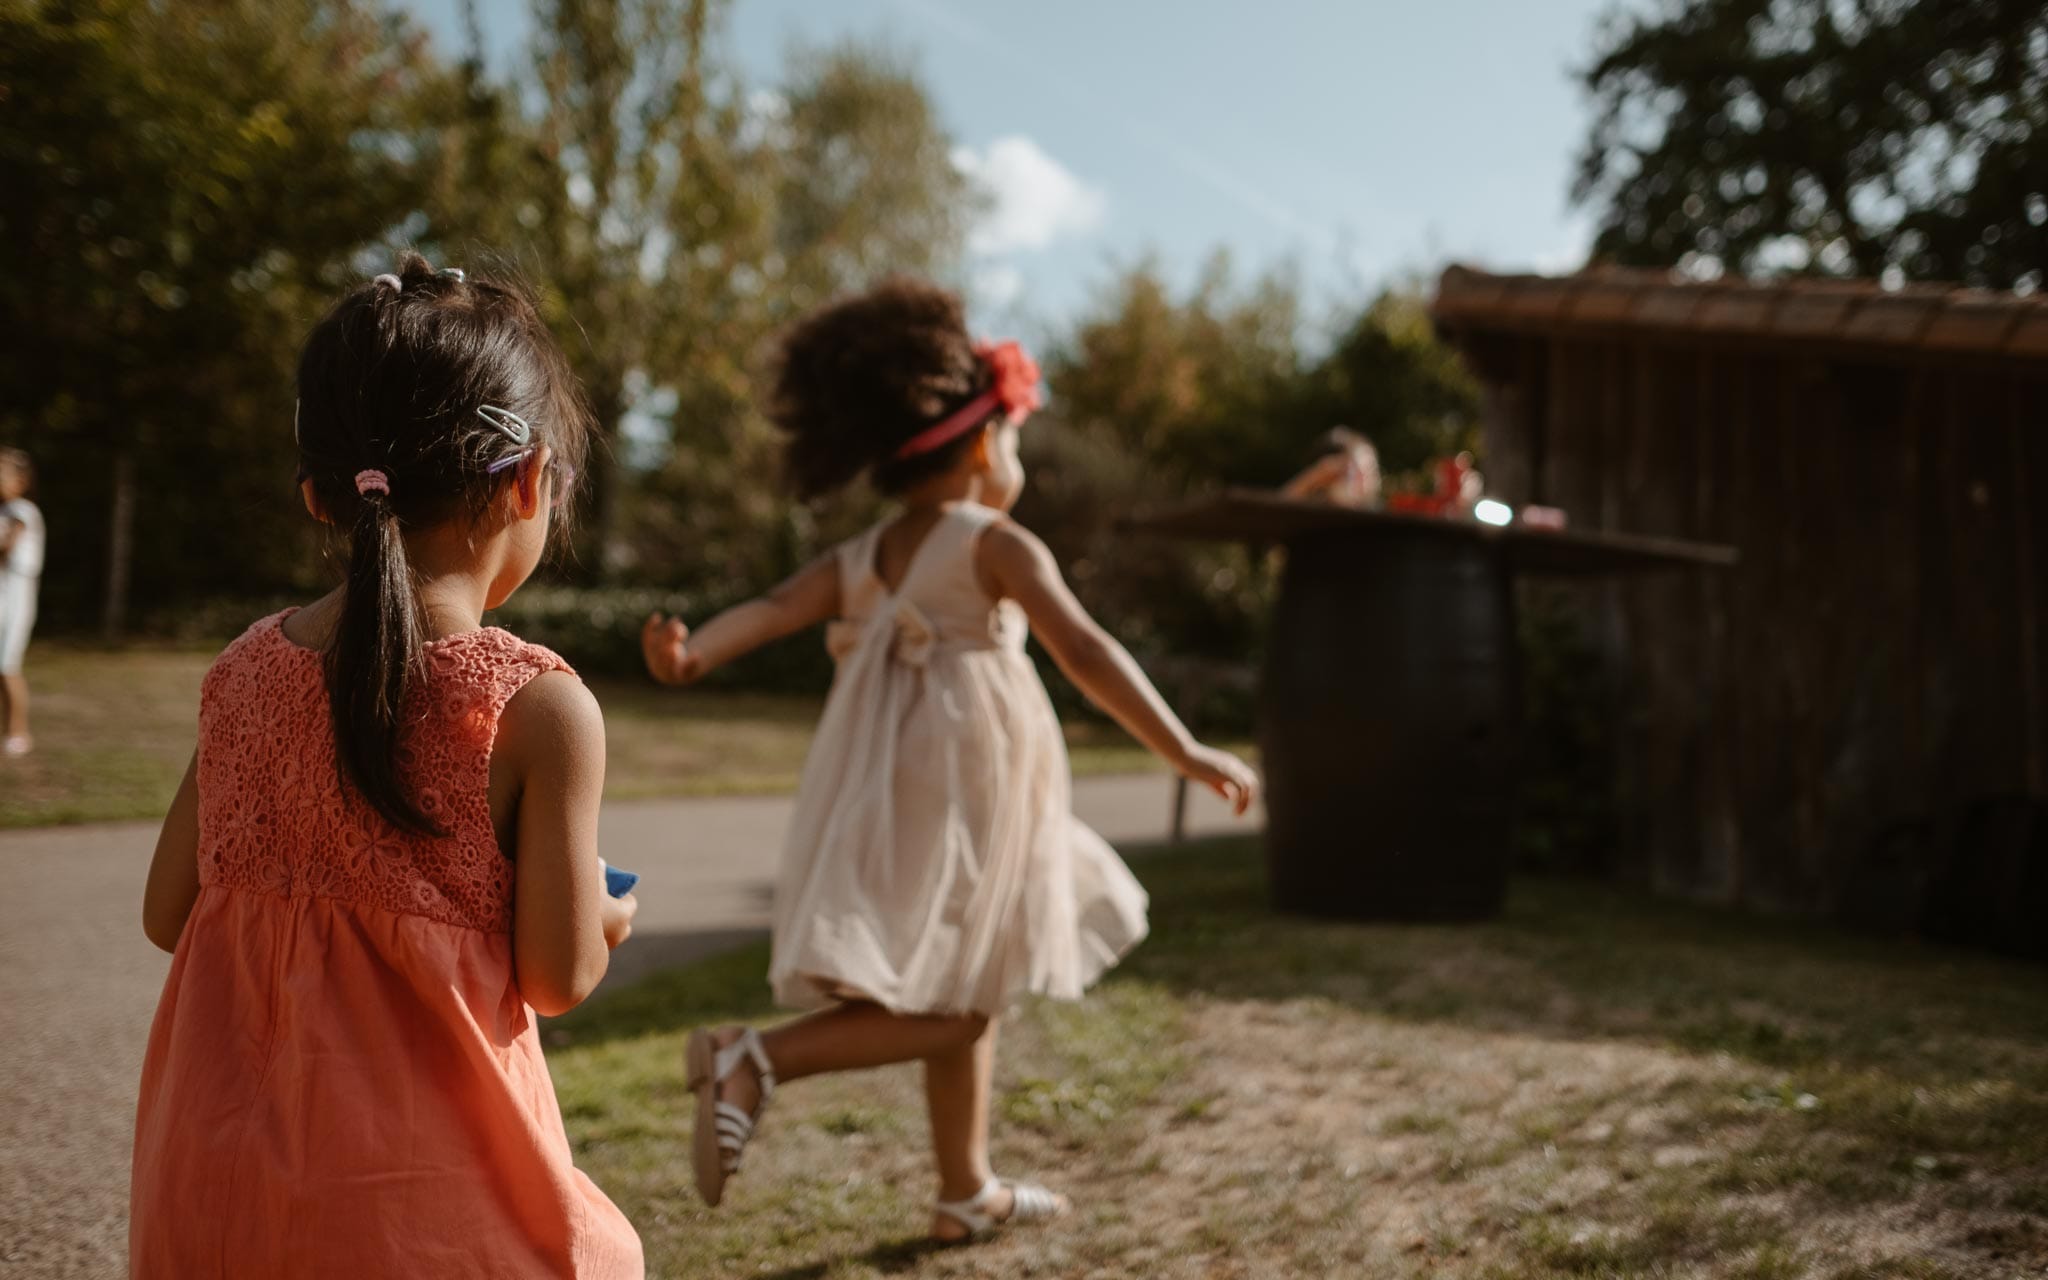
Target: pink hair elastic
[(371, 481), (1015, 392), (391, 282)]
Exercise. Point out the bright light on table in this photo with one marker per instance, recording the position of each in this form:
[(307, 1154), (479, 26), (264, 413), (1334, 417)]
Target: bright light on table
[(1491, 512)]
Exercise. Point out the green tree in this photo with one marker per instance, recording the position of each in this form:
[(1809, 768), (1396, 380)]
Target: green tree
[(181, 187), (1844, 137), (1157, 393), (630, 128), (831, 180), (1390, 378), (865, 182), (686, 217), (1222, 386), (1207, 387)]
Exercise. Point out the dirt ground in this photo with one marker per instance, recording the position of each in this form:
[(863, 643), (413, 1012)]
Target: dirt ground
[(1596, 1085)]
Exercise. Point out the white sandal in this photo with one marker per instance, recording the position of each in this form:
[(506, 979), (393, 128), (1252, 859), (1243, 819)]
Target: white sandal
[(1029, 1203), (723, 1130)]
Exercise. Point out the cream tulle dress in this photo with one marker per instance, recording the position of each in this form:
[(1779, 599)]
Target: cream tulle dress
[(934, 864)]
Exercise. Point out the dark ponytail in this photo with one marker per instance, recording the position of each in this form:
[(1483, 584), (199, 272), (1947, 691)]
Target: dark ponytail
[(416, 393), (374, 659)]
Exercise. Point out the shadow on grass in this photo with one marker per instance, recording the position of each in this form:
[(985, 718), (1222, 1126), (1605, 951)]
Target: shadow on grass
[(1906, 1046), (891, 1257), (1566, 959), (1578, 960), (730, 986), (1879, 1023)]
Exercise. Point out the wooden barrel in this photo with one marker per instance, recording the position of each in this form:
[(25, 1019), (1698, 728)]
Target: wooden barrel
[(1387, 727)]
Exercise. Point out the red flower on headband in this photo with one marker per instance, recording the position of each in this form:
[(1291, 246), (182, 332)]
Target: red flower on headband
[(1016, 377)]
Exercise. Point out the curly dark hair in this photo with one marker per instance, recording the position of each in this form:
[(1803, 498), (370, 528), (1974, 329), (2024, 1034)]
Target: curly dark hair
[(856, 378)]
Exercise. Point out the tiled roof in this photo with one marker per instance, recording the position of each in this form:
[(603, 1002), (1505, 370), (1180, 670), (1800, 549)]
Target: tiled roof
[(1929, 318)]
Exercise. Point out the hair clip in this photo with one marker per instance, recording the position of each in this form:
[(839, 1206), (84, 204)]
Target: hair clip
[(515, 428), (370, 480), (396, 285), (295, 423), (452, 273)]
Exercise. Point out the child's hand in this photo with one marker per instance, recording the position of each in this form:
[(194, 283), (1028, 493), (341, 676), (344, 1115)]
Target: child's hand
[(664, 643), (1222, 773), (618, 919)]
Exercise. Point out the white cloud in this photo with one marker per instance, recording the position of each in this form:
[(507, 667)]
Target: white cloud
[(997, 284), (1033, 198)]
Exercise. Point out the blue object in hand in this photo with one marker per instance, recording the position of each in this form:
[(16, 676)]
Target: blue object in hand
[(619, 883)]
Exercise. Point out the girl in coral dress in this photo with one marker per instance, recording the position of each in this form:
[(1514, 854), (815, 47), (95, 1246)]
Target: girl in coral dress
[(934, 871), (383, 863)]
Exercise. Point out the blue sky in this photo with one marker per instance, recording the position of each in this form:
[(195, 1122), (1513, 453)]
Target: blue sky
[(1357, 139)]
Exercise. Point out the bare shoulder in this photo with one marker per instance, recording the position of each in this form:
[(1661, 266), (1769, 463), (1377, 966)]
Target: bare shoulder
[(1006, 547), (552, 712)]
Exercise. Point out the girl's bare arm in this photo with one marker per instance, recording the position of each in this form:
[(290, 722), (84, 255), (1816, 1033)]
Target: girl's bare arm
[(677, 655), (551, 746), (173, 884), (1318, 477), (1018, 566)]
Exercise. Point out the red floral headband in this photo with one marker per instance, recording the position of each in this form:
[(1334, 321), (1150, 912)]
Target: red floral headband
[(1015, 392)]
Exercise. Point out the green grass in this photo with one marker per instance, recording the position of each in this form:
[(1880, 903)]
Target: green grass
[(114, 729), (113, 732), (1594, 1085)]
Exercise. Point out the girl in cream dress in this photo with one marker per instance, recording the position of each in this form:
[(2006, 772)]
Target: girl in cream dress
[(934, 871)]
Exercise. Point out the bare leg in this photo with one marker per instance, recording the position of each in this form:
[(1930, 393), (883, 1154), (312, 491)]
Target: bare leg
[(847, 1037), (958, 1085), (14, 696), (956, 1090)]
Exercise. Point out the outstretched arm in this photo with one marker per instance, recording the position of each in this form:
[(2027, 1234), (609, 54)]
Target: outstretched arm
[(1019, 566), (677, 655), (1318, 477)]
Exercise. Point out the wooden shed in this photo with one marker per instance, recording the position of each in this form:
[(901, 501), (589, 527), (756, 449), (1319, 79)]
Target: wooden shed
[(1862, 701)]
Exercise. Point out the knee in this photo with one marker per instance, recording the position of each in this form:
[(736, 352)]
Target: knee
[(970, 1027)]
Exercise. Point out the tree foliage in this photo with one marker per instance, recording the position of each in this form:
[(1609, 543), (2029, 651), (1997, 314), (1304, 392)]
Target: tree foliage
[(180, 185), (183, 188), (1225, 384), (1906, 138), (836, 179)]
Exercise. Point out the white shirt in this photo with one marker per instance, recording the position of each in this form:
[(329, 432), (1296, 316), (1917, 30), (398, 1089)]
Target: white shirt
[(25, 557)]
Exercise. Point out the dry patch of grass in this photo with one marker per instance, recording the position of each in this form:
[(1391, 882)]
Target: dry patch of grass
[(1594, 1085), (114, 729)]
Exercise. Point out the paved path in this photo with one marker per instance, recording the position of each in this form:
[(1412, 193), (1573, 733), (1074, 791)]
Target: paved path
[(78, 983)]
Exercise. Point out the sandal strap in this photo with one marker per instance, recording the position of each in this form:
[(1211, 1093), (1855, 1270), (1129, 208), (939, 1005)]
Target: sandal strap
[(735, 1129), (747, 1047), (1032, 1203), (972, 1213)]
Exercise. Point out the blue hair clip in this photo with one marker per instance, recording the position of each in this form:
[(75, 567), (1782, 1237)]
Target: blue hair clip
[(452, 273)]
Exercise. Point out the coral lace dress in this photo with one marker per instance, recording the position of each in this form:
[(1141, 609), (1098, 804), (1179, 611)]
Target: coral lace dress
[(342, 1079)]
